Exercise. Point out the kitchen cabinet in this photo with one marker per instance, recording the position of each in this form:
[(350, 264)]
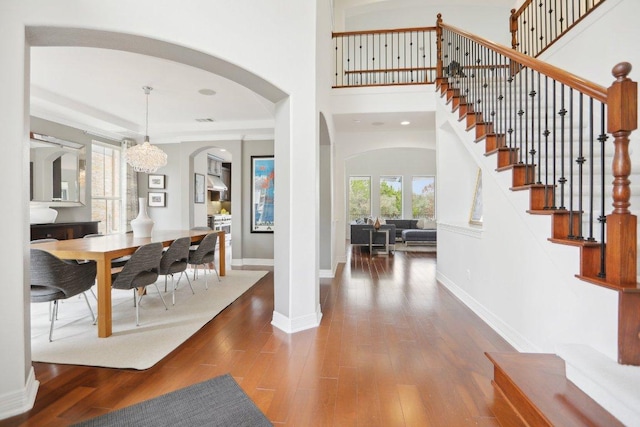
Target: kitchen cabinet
[(226, 178), (214, 166)]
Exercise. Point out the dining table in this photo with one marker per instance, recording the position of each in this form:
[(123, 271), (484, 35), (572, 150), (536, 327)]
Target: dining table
[(108, 247)]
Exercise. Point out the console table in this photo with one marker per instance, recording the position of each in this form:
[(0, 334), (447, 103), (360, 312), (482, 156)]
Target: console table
[(63, 230), (372, 241)]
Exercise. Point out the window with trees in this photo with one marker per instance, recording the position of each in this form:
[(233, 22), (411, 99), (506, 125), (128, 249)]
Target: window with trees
[(423, 198), (359, 197), (106, 194), (391, 197)]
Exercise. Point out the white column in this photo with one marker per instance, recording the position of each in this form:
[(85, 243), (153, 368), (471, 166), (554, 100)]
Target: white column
[(17, 383)]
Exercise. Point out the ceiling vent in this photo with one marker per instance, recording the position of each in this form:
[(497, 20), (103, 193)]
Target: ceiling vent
[(205, 120)]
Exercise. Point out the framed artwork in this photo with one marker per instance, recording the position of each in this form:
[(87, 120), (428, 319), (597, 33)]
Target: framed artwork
[(157, 199), (156, 181), (475, 217), (198, 197), (262, 191)]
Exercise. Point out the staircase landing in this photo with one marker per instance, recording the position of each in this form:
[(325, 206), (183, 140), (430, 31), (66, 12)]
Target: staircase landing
[(537, 387)]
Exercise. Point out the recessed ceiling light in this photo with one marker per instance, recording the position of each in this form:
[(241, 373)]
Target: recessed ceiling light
[(405, 122), (223, 149), (356, 121), (377, 123), (207, 92)]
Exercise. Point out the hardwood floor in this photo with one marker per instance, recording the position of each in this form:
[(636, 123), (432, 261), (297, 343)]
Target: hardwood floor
[(394, 348)]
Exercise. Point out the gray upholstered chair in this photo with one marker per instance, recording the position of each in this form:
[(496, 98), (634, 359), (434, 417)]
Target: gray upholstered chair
[(139, 272), (204, 255), (175, 260), (54, 279)]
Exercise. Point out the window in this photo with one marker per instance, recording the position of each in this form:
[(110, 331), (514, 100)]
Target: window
[(423, 197), (359, 197), (391, 197), (106, 199)]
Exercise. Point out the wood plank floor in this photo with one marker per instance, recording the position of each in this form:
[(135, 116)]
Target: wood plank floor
[(394, 349)]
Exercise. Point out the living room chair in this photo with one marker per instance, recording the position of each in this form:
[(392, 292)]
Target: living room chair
[(203, 255), (139, 272), (175, 260), (54, 279)]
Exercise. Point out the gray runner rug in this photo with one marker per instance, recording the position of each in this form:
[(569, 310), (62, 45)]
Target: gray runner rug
[(216, 402)]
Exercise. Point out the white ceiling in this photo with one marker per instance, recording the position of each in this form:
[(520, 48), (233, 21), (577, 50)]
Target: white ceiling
[(100, 90)]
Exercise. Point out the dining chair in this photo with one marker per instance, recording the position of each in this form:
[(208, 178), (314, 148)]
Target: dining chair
[(194, 245), (175, 260), (139, 272), (54, 279), (204, 254)]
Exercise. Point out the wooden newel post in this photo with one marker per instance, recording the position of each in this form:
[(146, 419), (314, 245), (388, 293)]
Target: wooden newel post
[(513, 28), (622, 119), (439, 46)]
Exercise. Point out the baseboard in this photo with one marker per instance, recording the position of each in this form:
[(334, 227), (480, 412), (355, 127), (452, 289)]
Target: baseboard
[(291, 326), (19, 402), (251, 261), (519, 342)]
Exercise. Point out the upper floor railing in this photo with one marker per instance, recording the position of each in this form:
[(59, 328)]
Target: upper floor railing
[(385, 57), (536, 25)]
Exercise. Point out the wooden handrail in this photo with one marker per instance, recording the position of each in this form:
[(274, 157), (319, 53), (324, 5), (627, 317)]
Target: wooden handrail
[(593, 90), (401, 30)]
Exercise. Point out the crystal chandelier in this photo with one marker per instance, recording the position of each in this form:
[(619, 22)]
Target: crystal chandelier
[(146, 157)]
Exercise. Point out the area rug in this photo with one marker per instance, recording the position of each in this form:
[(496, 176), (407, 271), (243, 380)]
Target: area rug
[(401, 247), (217, 402), (75, 338)]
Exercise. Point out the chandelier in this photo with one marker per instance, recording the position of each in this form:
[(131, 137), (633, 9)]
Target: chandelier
[(146, 157)]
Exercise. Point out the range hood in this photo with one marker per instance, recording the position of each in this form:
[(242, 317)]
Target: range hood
[(215, 183)]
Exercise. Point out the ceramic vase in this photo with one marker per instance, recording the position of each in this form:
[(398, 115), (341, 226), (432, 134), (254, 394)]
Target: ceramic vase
[(142, 225), (376, 224)]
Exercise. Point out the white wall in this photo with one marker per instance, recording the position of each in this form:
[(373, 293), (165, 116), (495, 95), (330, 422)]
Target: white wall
[(400, 161), (487, 20)]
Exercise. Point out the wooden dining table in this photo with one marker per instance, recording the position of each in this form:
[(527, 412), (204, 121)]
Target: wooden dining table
[(106, 248)]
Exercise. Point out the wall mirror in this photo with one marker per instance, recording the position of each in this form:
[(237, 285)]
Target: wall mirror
[(57, 171)]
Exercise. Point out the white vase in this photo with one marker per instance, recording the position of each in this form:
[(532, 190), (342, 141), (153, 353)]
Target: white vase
[(142, 225)]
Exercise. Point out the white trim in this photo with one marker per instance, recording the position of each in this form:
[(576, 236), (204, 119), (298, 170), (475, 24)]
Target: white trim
[(251, 261), (291, 326), (462, 228), (20, 401), (513, 337)]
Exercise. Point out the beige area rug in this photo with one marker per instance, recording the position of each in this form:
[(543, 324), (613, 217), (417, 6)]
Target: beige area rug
[(401, 247), (75, 338)]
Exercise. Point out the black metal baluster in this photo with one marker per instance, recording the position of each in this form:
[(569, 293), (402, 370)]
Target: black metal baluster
[(563, 180), (580, 162), (522, 140), (546, 134), (554, 205), (603, 217), (571, 177), (532, 94), (539, 135), (591, 172)]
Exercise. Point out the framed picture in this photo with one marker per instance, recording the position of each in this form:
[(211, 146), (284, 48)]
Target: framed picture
[(156, 181), (475, 217), (262, 191), (157, 199), (198, 197)]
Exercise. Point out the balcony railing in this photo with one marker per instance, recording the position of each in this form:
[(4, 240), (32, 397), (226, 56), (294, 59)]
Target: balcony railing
[(385, 57), (537, 25)]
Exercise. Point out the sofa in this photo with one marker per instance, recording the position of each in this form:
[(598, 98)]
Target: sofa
[(360, 235), (415, 231)]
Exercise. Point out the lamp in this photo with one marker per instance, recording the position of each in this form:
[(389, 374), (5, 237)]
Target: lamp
[(146, 157)]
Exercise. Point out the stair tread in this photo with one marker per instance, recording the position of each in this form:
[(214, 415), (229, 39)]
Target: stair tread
[(551, 397)]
